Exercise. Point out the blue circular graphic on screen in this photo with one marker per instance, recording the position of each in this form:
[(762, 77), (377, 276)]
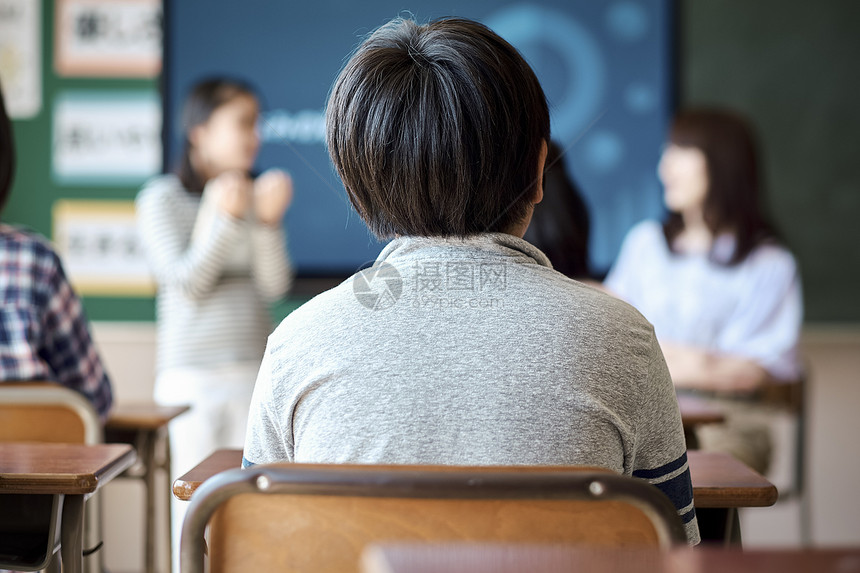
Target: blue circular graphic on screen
[(640, 98), (537, 30), (627, 21), (604, 150)]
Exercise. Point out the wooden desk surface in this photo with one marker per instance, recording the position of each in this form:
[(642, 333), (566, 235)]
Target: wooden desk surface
[(142, 416), (473, 558), (70, 469), (719, 480), (695, 412), (219, 461)]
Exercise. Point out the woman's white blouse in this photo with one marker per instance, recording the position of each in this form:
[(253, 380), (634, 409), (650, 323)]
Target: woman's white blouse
[(753, 309)]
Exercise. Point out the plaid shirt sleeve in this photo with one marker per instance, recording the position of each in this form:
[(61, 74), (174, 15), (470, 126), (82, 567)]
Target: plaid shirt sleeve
[(44, 331), (67, 346)]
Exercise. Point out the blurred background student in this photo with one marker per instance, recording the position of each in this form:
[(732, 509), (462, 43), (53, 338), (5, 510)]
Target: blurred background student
[(214, 240), (560, 224), (721, 289), (44, 333)]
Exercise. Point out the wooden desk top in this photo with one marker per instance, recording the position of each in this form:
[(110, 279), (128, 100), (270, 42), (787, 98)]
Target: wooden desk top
[(219, 461), (695, 411), (142, 416), (70, 469), (502, 558), (719, 480)]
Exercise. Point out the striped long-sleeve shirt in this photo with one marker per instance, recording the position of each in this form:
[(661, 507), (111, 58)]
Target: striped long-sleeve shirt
[(209, 310), (43, 329)]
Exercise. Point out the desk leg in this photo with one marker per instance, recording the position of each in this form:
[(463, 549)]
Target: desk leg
[(719, 526), (71, 535), (691, 439), (147, 444), (54, 566), (146, 447), (733, 535), (164, 438)]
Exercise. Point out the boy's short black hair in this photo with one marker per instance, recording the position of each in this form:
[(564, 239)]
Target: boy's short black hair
[(437, 129)]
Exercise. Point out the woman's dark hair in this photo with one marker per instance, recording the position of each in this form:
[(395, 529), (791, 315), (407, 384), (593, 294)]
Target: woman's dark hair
[(733, 202), (560, 224), (437, 129), (7, 153), (204, 98)]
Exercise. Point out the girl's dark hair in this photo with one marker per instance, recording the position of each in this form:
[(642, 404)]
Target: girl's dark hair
[(7, 153), (204, 98), (560, 224), (733, 202), (437, 129)]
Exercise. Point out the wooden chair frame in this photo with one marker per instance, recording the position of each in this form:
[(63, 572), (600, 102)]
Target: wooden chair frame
[(525, 483), (48, 396), (50, 401)]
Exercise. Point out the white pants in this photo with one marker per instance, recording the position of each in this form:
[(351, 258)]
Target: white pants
[(220, 398)]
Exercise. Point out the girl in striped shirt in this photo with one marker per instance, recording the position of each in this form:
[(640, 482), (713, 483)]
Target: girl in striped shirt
[(215, 243)]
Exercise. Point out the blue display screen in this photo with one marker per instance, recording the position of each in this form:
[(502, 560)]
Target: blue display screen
[(606, 67)]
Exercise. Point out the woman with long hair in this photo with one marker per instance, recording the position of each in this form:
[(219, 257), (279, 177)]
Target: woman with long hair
[(715, 279)]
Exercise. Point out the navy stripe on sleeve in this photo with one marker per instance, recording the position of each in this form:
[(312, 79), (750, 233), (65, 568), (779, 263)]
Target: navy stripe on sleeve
[(688, 517), (678, 489), (662, 470)]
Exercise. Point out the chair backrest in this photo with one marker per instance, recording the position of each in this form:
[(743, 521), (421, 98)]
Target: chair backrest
[(302, 518), (46, 412)]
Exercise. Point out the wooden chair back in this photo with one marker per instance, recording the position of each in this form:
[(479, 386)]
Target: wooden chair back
[(46, 412), (302, 518)]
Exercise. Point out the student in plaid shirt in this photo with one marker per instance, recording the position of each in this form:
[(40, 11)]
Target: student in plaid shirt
[(43, 330)]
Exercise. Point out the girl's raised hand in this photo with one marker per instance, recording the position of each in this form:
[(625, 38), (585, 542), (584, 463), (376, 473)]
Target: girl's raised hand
[(273, 193), (233, 193)]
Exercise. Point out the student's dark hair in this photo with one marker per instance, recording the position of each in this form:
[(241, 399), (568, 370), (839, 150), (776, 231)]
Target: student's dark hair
[(7, 153), (733, 202), (437, 129), (560, 224), (204, 98)]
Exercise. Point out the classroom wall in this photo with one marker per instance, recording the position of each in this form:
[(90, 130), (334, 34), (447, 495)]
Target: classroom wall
[(832, 356), (788, 64)]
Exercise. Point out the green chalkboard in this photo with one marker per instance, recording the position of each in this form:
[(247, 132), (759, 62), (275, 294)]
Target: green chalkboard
[(34, 191), (791, 65)]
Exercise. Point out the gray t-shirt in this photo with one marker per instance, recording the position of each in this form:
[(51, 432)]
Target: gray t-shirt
[(470, 352)]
